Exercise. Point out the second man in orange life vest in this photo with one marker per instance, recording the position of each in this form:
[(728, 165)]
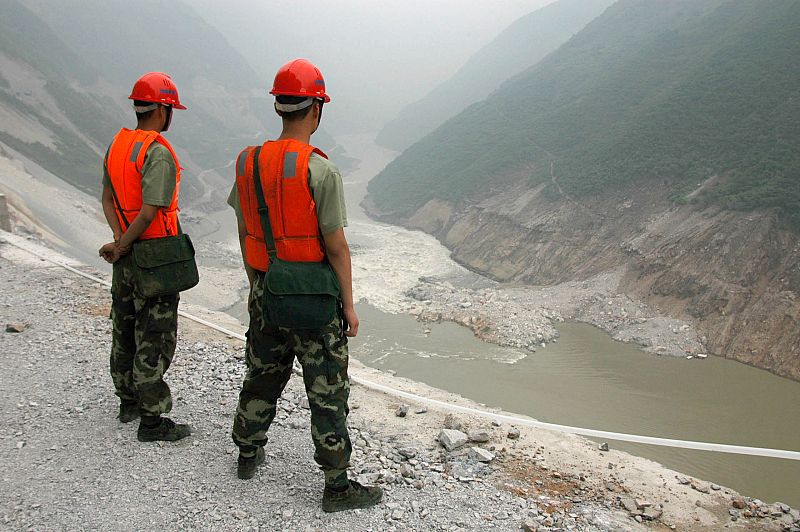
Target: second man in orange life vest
[(303, 194), (140, 201)]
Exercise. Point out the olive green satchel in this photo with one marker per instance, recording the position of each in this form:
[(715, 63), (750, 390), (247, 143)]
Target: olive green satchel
[(165, 265), (162, 266), (297, 295)]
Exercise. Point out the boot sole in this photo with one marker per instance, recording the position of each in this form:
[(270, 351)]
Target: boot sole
[(148, 438), (360, 506)]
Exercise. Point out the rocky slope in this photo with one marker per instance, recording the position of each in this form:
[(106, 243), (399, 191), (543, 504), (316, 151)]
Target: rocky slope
[(735, 275)]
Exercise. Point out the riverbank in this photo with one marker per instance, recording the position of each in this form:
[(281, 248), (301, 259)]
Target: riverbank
[(523, 316), (58, 406)]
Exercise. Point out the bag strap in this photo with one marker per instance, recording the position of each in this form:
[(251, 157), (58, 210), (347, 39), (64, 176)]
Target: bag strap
[(116, 201), (263, 210)]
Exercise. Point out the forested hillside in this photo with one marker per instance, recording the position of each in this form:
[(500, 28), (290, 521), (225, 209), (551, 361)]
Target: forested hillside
[(523, 44), (678, 92)]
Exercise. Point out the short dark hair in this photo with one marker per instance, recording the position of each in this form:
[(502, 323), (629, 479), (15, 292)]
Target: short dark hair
[(295, 115), (146, 114)]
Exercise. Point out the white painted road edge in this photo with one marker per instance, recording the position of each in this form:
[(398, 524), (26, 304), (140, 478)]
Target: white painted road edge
[(600, 434)]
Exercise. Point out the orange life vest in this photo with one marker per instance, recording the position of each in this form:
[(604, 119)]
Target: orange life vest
[(124, 163), (283, 169)]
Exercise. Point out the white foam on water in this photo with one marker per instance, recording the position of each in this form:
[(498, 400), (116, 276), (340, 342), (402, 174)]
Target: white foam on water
[(388, 261)]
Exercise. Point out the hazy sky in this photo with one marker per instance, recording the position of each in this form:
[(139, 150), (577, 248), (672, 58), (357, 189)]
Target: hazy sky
[(376, 56)]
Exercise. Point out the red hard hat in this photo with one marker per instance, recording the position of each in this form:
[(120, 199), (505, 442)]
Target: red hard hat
[(156, 87), (300, 78)]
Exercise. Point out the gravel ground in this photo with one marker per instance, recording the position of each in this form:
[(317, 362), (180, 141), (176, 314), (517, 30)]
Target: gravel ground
[(66, 463)]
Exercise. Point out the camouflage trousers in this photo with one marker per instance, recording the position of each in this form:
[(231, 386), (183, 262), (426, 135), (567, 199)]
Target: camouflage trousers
[(323, 355), (142, 344)]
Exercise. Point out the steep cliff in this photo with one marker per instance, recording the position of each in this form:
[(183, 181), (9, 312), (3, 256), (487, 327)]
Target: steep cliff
[(737, 276)]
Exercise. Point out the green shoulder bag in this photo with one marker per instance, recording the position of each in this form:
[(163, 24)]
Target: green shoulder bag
[(297, 295), (162, 266)]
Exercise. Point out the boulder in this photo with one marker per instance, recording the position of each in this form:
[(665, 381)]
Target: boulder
[(479, 436), (481, 455), (452, 439), (16, 327), (452, 422), (652, 514), (406, 471), (407, 452), (629, 505)]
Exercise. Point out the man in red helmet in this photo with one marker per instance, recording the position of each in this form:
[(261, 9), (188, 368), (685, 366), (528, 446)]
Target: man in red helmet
[(289, 202), (140, 201)]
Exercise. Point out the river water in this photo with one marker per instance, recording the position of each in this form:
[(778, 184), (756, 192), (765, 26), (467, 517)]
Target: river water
[(585, 379)]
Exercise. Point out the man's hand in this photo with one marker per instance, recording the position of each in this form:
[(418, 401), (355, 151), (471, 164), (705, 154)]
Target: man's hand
[(112, 252), (350, 322)]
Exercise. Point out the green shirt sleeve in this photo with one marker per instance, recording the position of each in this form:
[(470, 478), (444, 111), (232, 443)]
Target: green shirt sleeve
[(106, 177), (327, 188), (233, 201), (159, 175)]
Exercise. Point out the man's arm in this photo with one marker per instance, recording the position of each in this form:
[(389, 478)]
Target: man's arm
[(110, 212), (138, 226), (112, 251), (338, 253), (242, 237)]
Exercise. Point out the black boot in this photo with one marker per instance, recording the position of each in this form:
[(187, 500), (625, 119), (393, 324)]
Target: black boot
[(352, 496), (246, 467), (166, 430)]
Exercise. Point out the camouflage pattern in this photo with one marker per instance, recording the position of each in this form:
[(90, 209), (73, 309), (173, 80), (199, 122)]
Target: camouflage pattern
[(324, 357), (143, 342)]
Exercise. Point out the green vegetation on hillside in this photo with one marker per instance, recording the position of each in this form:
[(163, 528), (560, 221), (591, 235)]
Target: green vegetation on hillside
[(523, 44), (678, 91)]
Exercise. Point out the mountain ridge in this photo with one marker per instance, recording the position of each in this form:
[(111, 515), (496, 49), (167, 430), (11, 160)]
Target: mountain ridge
[(602, 118), (520, 45)]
